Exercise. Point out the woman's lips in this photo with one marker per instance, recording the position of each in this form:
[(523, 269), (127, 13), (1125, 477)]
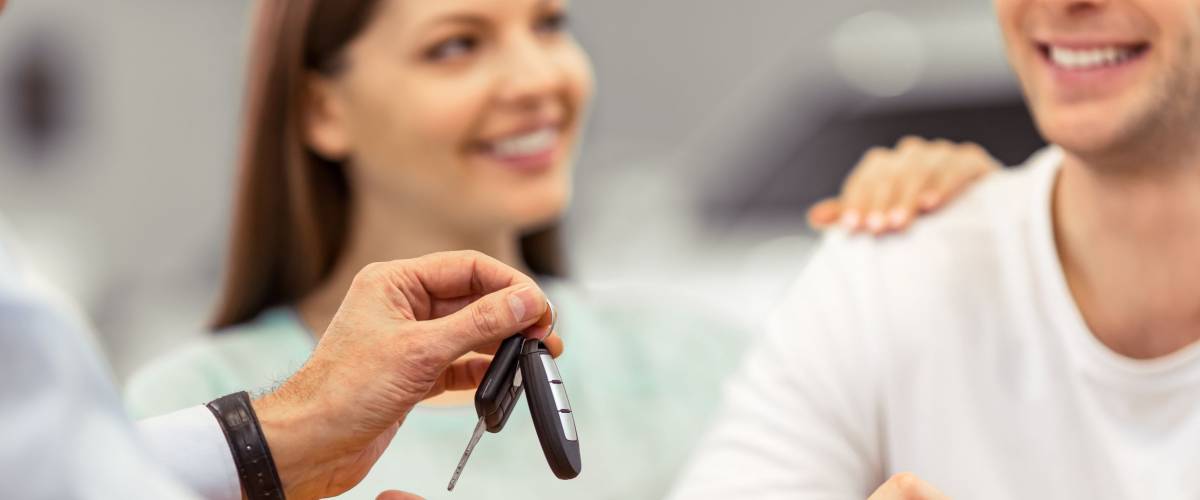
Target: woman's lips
[(534, 150)]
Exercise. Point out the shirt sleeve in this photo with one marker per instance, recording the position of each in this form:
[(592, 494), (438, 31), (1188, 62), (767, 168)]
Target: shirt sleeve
[(801, 418), (62, 431), (190, 444)]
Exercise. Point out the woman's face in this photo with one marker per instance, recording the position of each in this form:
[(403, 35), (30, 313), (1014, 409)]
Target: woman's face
[(466, 111)]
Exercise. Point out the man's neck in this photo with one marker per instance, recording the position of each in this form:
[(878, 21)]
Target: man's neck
[(1129, 242)]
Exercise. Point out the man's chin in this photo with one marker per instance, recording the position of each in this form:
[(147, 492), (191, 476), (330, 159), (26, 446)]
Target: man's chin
[(1085, 136)]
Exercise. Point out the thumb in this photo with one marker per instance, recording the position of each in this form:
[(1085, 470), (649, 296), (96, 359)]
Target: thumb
[(397, 495), (494, 317)]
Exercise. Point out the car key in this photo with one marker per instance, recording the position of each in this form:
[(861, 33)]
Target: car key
[(550, 409), (501, 386), (498, 393), (496, 397)]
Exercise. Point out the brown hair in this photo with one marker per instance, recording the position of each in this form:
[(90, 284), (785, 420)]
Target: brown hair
[(292, 208)]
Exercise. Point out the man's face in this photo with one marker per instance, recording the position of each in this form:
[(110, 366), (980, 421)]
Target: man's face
[(1107, 76)]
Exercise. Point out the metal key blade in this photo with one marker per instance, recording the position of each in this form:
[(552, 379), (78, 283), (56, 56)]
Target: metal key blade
[(462, 462)]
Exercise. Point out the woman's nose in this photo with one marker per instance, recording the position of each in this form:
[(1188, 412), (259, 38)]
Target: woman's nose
[(529, 73)]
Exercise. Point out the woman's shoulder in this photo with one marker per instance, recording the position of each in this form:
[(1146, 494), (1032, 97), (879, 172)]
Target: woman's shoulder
[(251, 356)]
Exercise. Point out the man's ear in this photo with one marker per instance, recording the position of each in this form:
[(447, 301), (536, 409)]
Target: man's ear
[(324, 119)]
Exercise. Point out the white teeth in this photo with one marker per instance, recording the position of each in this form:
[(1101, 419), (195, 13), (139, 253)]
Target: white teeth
[(526, 144), (1090, 58)]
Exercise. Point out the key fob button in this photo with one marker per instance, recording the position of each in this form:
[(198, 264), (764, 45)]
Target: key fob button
[(568, 425), (560, 396), (551, 368)]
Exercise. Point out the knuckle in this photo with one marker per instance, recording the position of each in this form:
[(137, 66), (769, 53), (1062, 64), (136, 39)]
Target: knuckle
[(418, 363), (419, 353), (974, 152), (906, 483), (971, 147), (909, 142), (443, 258), (422, 356), (485, 317), (466, 254), (943, 146), (370, 274), (874, 154)]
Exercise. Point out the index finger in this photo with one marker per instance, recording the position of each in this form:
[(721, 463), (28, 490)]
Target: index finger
[(554, 343), (447, 275)]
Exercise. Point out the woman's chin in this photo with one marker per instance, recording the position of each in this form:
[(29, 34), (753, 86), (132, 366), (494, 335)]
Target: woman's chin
[(547, 210)]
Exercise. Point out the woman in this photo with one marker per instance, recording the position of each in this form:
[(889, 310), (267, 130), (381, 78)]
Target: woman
[(384, 129)]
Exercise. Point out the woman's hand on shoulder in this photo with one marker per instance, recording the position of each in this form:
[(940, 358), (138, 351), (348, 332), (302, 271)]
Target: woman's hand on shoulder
[(892, 187)]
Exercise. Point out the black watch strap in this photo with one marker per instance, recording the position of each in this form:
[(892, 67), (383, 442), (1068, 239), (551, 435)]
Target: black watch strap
[(251, 456)]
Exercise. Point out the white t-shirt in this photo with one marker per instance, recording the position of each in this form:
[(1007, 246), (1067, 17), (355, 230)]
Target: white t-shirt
[(955, 352)]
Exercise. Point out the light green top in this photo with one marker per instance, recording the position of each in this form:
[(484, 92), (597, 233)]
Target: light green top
[(643, 378)]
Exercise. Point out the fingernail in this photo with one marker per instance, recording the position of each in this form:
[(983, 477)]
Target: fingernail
[(876, 222), (523, 301), (898, 217), (851, 219)]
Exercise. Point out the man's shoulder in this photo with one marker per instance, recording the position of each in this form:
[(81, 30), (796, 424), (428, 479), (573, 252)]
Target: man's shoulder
[(1001, 201), (997, 205), (964, 250), (992, 209)]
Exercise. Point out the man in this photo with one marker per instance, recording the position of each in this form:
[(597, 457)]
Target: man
[(1037, 340), (393, 342)]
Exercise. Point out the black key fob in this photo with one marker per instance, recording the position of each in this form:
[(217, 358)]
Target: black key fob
[(550, 409), (500, 389)]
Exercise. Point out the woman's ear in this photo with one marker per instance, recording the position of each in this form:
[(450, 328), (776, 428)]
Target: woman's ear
[(324, 119)]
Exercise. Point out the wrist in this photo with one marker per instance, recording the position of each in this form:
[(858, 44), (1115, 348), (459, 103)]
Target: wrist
[(248, 446), (293, 434)]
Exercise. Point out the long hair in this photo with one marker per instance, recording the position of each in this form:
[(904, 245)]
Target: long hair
[(291, 215)]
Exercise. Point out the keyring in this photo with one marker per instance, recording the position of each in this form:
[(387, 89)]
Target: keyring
[(553, 317)]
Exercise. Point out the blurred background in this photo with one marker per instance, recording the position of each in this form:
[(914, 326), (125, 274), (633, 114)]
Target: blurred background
[(717, 124)]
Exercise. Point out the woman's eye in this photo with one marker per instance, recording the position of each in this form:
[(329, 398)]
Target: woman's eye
[(552, 23), (455, 47)]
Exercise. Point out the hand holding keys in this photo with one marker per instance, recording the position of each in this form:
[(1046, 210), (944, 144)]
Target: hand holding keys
[(526, 365)]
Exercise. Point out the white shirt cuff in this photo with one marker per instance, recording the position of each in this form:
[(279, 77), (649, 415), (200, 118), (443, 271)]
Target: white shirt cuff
[(192, 446)]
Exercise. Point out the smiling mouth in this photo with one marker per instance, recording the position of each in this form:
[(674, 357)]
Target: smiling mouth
[(532, 150), (1092, 58), (529, 143)]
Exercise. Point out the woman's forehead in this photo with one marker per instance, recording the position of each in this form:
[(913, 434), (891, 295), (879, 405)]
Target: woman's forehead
[(435, 11)]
